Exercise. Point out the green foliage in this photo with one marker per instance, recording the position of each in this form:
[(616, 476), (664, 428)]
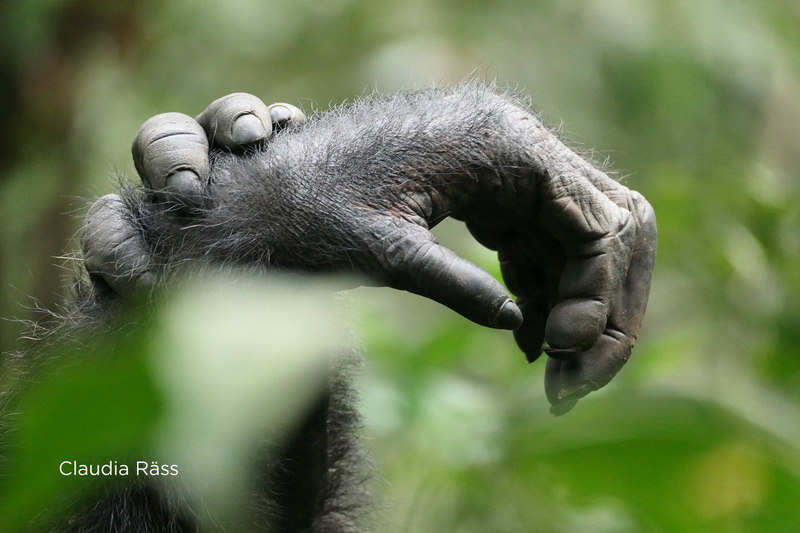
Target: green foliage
[(465, 442), (93, 405), (198, 389), (696, 103)]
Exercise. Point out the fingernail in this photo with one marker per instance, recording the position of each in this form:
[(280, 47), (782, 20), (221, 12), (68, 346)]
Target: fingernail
[(247, 129), (532, 356), (560, 353), (575, 390), (562, 407), (183, 187), (280, 114), (139, 288), (508, 317), (286, 116), (146, 281)]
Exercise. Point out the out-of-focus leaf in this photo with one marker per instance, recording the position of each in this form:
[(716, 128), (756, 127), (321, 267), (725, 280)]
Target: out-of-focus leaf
[(93, 405)]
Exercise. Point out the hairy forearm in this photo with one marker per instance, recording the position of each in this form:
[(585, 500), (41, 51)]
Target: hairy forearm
[(357, 188), (420, 156)]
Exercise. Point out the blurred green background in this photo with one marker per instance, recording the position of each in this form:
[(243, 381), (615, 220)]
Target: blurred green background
[(696, 104)]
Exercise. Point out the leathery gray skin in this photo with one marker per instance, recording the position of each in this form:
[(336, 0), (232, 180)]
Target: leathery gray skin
[(358, 188)]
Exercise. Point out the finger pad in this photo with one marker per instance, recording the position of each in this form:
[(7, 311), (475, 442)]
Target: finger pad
[(575, 324)]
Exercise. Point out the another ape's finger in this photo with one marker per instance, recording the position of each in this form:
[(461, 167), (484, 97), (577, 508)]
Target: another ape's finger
[(412, 260), (170, 152), (597, 236), (286, 117), (236, 120), (113, 248), (568, 380)]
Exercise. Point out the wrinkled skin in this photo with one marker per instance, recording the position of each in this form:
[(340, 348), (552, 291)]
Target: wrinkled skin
[(358, 189)]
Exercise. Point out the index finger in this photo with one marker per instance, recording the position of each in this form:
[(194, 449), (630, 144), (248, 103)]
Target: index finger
[(410, 258)]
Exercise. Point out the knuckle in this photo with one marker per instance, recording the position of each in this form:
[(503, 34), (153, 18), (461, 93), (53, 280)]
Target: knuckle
[(644, 213), (402, 252), (112, 245), (286, 117), (243, 102), (236, 120), (167, 143), (162, 126)]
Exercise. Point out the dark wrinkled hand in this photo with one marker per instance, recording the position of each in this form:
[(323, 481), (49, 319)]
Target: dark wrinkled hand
[(581, 270), (361, 187), (171, 155)]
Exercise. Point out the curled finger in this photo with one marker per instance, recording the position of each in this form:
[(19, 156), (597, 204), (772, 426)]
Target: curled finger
[(411, 259), (236, 121), (598, 238), (286, 117), (570, 379), (170, 152), (113, 247)]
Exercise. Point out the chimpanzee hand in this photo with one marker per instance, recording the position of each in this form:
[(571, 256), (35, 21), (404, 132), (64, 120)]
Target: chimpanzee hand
[(358, 188)]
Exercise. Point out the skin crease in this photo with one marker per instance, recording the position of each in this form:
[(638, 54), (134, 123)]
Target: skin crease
[(357, 189)]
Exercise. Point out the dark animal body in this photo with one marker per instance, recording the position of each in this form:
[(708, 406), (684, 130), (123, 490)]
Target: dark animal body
[(315, 482), (356, 189)]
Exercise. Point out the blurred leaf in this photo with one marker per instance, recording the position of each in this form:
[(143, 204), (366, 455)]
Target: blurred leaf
[(239, 361), (226, 367), (95, 405), (697, 105)]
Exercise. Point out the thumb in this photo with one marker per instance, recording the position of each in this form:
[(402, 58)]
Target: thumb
[(411, 259)]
